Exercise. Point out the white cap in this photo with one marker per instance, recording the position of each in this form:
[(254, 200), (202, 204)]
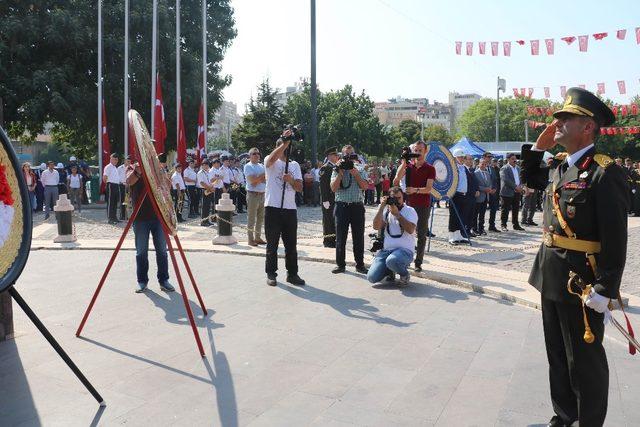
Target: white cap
[(59, 166), (43, 166), (458, 152), (72, 159)]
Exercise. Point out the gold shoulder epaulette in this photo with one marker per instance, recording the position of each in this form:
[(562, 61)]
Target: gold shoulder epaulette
[(603, 160), (560, 156)]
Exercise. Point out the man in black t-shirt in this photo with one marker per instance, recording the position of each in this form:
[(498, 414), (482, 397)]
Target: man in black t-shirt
[(144, 223)]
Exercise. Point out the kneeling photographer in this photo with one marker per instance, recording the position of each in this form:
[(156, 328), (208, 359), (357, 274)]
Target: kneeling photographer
[(399, 223), (419, 180)]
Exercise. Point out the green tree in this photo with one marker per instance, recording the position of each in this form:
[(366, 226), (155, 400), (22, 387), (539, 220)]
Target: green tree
[(262, 122), (622, 145), (410, 131), (437, 133), (48, 61)]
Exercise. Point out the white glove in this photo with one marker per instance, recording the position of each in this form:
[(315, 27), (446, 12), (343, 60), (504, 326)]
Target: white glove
[(325, 205), (597, 302)]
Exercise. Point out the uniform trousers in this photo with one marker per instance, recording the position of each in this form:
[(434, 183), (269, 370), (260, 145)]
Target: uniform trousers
[(329, 225), (281, 223), (113, 198), (460, 201), (349, 214), (194, 200), (578, 371), (510, 204)]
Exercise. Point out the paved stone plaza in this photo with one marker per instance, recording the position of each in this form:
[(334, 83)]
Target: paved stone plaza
[(336, 352)]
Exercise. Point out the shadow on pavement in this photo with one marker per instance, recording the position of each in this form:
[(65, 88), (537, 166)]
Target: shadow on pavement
[(419, 290), (174, 309), (17, 405), (358, 308)]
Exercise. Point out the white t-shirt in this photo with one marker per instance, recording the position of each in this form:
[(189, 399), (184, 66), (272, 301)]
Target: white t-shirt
[(112, 174), (406, 241), (75, 181), (273, 196), (189, 173), (176, 179), (122, 173)]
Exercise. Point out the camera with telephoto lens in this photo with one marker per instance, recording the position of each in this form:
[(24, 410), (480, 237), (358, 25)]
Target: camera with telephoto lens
[(392, 201), (296, 133), (407, 155), (347, 161), (377, 242)]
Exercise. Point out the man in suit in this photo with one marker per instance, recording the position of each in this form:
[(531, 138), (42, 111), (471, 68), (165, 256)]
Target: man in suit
[(472, 193), (459, 202), (486, 190), (510, 193), (585, 233), (494, 197), (328, 198)]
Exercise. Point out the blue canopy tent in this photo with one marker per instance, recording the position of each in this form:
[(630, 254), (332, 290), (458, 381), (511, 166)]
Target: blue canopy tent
[(468, 147)]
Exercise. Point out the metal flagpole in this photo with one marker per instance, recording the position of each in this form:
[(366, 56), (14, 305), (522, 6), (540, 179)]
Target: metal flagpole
[(154, 57), (178, 94), (204, 72), (100, 86), (126, 78), (314, 95)]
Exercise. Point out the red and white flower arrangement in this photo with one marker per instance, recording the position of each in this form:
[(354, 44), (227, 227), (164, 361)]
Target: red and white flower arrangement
[(7, 210)]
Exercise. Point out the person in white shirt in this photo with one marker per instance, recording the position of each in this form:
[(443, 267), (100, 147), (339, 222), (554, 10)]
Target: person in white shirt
[(111, 178), (122, 172), (226, 172), (283, 179), (177, 190), (240, 199), (510, 193), (208, 191), (74, 182), (255, 174), (399, 222), (190, 180), (50, 179)]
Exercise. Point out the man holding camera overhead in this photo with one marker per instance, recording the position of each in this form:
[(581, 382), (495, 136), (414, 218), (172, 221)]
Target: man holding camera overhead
[(348, 181), (420, 176), (398, 221)]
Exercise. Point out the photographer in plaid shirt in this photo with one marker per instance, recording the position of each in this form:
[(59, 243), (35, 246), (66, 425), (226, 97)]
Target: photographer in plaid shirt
[(348, 181)]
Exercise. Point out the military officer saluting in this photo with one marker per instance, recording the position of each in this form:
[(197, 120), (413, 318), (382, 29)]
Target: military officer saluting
[(328, 198), (585, 232)]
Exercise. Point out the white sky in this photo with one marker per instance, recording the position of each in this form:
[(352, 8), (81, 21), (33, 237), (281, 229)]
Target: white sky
[(406, 47)]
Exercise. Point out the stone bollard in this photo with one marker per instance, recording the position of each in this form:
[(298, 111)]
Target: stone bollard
[(66, 230), (224, 211)]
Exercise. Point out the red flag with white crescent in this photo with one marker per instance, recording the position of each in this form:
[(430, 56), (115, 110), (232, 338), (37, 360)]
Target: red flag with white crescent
[(547, 92), (469, 48), (535, 47), (600, 88), (550, 44), (160, 126), (201, 149), (507, 48), (622, 87), (106, 145), (583, 41), (563, 91), (481, 47), (494, 48), (621, 34), (458, 48), (181, 146)]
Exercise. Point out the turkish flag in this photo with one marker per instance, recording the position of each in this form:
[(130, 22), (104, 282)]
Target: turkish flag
[(624, 109), (458, 48), (622, 87), (469, 48), (615, 110), (600, 88), (583, 42), (515, 92), (535, 47), (523, 91), (520, 42), (494, 48), (547, 92), (181, 146), (600, 36), (507, 48), (530, 92), (621, 34), (201, 149), (563, 91), (159, 125), (549, 43), (481, 47), (569, 39), (634, 109), (132, 139), (638, 35), (106, 145)]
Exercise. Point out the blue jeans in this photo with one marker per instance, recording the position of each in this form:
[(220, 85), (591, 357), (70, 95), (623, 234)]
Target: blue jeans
[(390, 261), (142, 230)]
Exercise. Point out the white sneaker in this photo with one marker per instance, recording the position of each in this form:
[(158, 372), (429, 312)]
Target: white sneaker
[(404, 281)]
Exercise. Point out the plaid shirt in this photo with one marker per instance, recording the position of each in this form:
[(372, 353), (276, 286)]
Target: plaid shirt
[(349, 191)]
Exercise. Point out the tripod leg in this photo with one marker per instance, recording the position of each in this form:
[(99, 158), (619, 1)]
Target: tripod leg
[(463, 227), (111, 261), (43, 330), (184, 296), (432, 214), (193, 281)]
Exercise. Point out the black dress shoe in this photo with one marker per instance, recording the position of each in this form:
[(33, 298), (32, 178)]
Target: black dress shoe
[(361, 269), (518, 228), (495, 230), (504, 228), (295, 280), (418, 268), (556, 421), (338, 270), (271, 279), (430, 234), (532, 223), (329, 245)]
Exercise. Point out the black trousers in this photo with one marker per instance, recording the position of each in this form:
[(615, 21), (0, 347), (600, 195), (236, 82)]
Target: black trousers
[(510, 204), (478, 223), (123, 208), (208, 205), (113, 197), (494, 204), (194, 199), (422, 230), (470, 213), (281, 223), (241, 199), (329, 225), (378, 192), (349, 214), (578, 372), (175, 195), (461, 204)]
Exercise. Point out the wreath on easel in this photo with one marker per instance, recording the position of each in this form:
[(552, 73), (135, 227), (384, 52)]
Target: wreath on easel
[(7, 210)]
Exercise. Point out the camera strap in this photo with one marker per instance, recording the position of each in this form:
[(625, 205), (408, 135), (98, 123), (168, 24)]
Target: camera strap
[(348, 185), (386, 219)]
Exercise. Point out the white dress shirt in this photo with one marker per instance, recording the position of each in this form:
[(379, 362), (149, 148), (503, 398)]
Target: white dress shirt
[(573, 158), (516, 174), (113, 176), (190, 173), (176, 179), (122, 173), (49, 177)]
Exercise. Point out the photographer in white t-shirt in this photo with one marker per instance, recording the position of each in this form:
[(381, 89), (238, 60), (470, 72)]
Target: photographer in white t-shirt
[(399, 223), (280, 214)]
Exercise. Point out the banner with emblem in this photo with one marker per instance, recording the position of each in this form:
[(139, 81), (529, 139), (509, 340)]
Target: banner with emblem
[(444, 163)]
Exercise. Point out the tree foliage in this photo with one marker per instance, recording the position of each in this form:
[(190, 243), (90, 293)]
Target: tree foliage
[(48, 65), (437, 133)]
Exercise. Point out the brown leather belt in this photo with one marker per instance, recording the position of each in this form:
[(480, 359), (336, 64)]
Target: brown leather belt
[(555, 240)]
